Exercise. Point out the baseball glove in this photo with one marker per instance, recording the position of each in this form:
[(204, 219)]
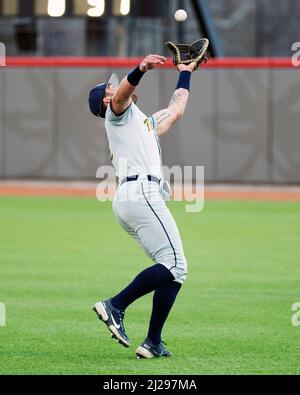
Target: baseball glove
[(188, 53)]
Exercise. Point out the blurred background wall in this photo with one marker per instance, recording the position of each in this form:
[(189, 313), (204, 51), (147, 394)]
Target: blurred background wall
[(242, 124)]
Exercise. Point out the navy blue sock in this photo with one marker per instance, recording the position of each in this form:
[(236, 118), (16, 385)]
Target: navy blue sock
[(147, 281), (163, 301)]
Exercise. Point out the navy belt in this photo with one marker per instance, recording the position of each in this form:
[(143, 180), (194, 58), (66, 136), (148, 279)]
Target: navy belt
[(134, 178)]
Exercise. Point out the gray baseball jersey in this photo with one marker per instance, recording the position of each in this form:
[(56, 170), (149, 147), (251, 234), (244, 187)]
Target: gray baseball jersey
[(133, 143), (138, 205)]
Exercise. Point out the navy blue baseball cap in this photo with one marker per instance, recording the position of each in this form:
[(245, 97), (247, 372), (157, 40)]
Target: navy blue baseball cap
[(96, 100), (97, 95)]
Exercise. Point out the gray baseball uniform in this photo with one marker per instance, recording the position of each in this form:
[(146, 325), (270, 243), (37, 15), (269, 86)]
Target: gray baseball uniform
[(138, 205)]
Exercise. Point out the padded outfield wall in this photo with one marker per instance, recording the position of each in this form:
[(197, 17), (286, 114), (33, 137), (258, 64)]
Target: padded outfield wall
[(242, 121)]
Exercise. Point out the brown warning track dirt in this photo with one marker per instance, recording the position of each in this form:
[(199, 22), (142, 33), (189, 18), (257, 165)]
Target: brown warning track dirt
[(253, 195), (21, 190), (212, 192)]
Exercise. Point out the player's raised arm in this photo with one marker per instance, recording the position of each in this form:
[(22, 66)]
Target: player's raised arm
[(167, 117), (121, 100)]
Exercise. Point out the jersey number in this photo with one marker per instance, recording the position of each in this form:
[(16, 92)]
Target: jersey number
[(147, 122)]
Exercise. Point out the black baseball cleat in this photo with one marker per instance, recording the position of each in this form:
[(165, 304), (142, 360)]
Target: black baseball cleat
[(149, 350), (113, 318)]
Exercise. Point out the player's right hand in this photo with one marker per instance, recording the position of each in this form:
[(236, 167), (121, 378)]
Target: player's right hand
[(152, 61)]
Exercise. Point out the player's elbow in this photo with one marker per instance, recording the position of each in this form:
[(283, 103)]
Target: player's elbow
[(178, 114)]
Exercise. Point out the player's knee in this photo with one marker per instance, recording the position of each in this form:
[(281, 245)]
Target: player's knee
[(180, 270), (179, 275), (176, 263)]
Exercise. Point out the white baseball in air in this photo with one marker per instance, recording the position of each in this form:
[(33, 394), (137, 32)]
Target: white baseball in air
[(180, 15)]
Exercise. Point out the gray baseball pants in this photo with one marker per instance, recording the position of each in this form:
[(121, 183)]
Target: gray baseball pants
[(140, 209)]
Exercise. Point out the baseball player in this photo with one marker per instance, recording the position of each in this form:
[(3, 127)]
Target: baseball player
[(139, 205)]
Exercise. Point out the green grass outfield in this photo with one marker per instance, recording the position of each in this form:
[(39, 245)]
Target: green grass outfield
[(233, 316)]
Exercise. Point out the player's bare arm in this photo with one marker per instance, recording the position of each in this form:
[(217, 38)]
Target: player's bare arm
[(167, 117), (121, 99)]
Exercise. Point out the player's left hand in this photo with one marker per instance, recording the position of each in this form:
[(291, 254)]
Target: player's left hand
[(152, 61), (186, 67)]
